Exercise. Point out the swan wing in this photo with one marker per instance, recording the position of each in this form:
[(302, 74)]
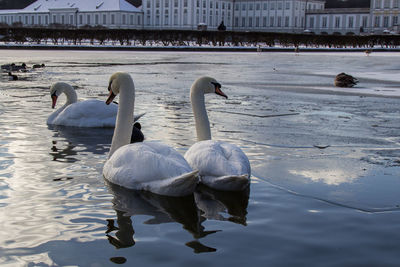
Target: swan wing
[(151, 166), (221, 165)]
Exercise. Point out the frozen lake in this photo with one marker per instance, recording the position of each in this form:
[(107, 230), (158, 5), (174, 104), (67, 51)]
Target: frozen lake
[(325, 163)]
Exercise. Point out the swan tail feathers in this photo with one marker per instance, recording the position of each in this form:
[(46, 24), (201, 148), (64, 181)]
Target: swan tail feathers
[(182, 185), (227, 183), (137, 117)]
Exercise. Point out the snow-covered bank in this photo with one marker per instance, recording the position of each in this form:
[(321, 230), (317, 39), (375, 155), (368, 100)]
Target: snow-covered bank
[(206, 48)]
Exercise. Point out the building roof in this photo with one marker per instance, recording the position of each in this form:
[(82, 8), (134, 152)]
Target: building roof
[(347, 3), (340, 11), (81, 5)]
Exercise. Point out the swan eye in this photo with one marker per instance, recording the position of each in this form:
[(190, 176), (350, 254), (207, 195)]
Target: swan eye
[(217, 85)]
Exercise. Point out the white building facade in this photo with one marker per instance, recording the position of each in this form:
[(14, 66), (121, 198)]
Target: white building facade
[(292, 16), (385, 15), (347, 21), (107, 13), (242, 15)]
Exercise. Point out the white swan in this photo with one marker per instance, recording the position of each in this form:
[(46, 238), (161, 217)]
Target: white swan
[(221, 165), (147, 166), (88, 113)]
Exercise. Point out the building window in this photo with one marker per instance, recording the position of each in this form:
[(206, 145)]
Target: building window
[(279, 5), (185, 17), (96, 19), (365, 21), (176, 17), (104, 19), (243, 6), (243, 22), (39, 20), (265, 6), (378, 4), (33, 20), (71, 19), (250, 6), (46, 20), (166, 19), (257, 22), (236, 22), (80, 19), (88, 19), (287, 6), (351, 22), (395, 20), (287, 21), (236, 6), (157, 17), (385, 21), (337, 22), (62, 19), (387, 4), (258, 6), (395, 3), (271, 21), (131, 21), (264, 21), (272, 6), (112, 19), (279, 21), (324, 22), (377, 21), (311, 22), (250, 22)]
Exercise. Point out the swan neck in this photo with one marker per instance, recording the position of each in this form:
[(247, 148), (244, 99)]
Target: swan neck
[(71, 95), (124, 122), (200, 113)]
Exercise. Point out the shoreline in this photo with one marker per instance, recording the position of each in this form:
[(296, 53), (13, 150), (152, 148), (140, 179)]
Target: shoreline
[(188, 48)]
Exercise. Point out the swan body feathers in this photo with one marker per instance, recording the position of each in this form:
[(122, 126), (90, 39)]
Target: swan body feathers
[(87, 113), (221, 165), (150, 166)]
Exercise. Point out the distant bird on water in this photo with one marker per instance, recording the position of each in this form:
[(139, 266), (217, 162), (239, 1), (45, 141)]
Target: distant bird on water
[(38, 66), (345, 80), (137, 135), (367, 52), (12, 77)]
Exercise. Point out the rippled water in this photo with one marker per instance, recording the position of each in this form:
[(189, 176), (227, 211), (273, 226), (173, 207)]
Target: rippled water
[(326, 164)]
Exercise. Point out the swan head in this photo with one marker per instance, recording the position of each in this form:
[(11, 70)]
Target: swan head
[(56, 90), (209, 85), (115, 83)]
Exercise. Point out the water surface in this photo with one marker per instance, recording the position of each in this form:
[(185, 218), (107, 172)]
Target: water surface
[(325, 162)]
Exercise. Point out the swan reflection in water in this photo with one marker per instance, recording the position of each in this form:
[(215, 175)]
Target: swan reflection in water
[(190, 211), (93, 140)]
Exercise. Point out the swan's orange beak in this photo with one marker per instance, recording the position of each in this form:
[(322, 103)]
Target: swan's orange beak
[(110, 98), (54, 99), (219, 92)]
